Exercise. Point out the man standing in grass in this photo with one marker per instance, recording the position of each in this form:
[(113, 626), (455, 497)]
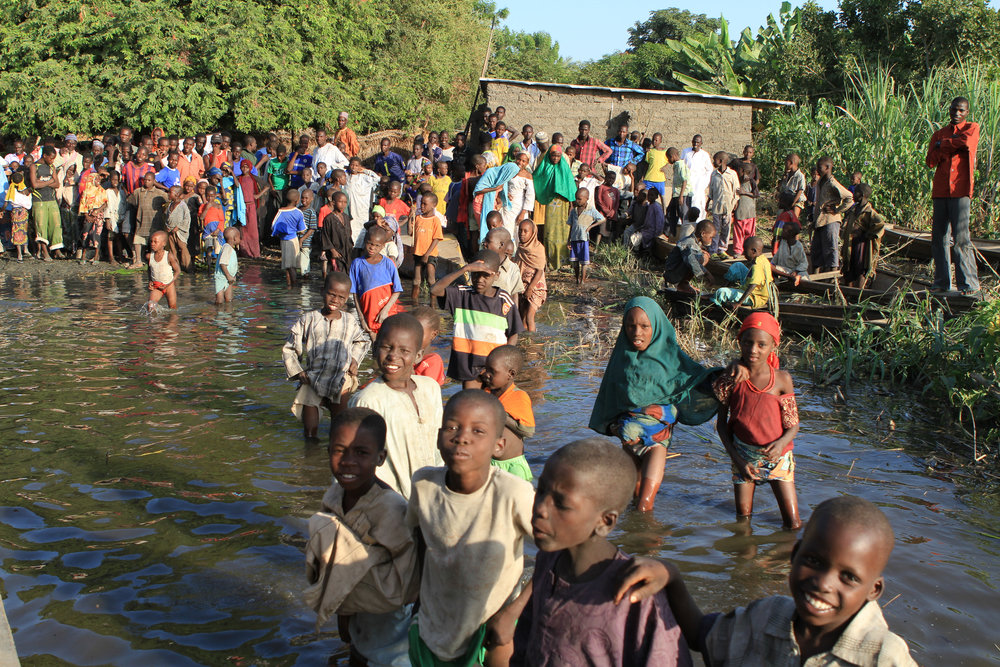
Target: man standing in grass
[(952, 154)]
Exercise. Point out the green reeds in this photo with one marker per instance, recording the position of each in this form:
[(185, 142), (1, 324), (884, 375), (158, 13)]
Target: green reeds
[(883, 130), (956, 361)]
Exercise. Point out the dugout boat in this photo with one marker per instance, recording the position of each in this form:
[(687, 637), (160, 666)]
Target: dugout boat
[(888, 287), (917, 244), (807, 319)]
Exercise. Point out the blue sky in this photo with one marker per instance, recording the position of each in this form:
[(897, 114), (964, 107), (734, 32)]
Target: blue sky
[(589, 29)]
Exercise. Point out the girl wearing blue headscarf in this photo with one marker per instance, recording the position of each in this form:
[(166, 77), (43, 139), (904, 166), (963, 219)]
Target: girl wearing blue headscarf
[(491, 185)]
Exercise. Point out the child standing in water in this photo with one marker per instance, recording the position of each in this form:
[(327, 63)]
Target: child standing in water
[(226, 266), (649, 385), (323, 351), (758, 419), (163, 271), (502, 366)]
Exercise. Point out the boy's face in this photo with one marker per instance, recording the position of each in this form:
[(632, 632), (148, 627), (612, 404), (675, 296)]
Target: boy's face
[(430, 333), (172, 161), (483, 280), (281, 151), (468, 439), (496, 375), (115, 179), (396, 351), (564, 514), (719, 163), (442, 168), (340, 204), (373, 247), (147, 180), (394, 191), (157, 242), (582, 196), (354, 456), (188, 146), (706, 236), (609, 178), (321, 169), (426, 206), (790, 164), (385, 147), (307, 199), (657, 140), (751, 252), (824, 169), (584, 130), (790, 235), (836, 569), (336, 296), (427, 168)]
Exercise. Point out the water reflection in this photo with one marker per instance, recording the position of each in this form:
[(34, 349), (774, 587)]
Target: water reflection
[(155, 488)]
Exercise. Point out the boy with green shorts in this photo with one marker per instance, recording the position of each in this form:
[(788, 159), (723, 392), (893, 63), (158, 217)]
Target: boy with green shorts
[(502, 366)]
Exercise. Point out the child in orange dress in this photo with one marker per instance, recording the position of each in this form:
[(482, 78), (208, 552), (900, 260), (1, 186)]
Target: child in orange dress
[(758, 419)]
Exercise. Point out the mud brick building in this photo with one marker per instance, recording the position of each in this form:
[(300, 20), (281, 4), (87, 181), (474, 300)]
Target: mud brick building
[(724, 122)]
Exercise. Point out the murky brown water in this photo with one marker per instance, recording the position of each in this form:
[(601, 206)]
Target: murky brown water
[(154, 489)]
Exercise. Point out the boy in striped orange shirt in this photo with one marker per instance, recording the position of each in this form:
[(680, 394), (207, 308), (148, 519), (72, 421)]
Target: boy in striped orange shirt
[(485, 317)]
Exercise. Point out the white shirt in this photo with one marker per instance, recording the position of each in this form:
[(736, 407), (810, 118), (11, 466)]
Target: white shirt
[(331, 156)]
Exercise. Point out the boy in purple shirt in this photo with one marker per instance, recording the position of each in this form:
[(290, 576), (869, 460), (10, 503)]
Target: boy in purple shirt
[(568, 614)]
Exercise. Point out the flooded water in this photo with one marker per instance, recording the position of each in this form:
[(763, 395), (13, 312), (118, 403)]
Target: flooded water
[(155, 488)]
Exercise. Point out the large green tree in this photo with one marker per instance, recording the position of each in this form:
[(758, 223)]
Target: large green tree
[(670, 23), (250, 65)]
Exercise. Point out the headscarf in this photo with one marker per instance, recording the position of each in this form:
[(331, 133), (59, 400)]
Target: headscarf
[(662, 374), (378, 210), (94, 196), (493, 177), (531, 253), (553, 179), (766, 323), (215, 171), (394, 226)]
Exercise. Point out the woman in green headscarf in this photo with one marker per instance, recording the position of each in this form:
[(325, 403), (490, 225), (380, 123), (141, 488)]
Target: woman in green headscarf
[(555, 188), (649, 385)]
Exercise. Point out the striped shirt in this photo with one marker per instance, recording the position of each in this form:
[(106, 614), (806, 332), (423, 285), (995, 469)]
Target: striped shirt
[(482, 324)]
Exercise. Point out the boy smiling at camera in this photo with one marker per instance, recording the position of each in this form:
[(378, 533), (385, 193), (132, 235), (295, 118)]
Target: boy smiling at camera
[(360, 559), (410, 403), (832, 617)]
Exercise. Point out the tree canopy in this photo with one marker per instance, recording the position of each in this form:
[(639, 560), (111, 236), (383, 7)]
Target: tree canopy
[(250, 65)]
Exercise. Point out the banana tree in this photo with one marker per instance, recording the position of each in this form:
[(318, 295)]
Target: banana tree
[(710, 63)]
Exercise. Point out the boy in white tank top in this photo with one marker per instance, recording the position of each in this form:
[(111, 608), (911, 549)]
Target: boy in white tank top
[(163, 270)]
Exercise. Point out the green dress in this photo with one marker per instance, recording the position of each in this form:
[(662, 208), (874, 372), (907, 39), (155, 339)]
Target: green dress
[(557, 232)]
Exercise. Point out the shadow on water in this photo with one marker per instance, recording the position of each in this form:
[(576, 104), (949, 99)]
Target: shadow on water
[(155, 488)]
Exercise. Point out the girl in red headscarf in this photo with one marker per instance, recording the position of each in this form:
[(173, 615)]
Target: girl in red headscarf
[(758, 419)]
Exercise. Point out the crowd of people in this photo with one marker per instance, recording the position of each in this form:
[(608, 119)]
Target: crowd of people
[(418, 548)]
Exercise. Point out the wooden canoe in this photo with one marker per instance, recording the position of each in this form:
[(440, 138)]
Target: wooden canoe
[(662, 246), (803, 318), (888, 288), (917, 244)]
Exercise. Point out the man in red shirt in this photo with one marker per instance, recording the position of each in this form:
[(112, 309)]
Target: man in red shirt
[(952, 154), (588, 149)]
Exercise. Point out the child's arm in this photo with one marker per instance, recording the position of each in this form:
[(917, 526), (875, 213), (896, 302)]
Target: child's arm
[(231, 279), (785, 274), (745, 296), (384, 313), (519, 429), (500, 627), (747, 470), (438, 288), (361, 316), (783, 386), (652, 576), (427, 255)]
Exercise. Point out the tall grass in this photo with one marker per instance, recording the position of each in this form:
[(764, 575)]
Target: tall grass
[(954, 361), (883, 130)]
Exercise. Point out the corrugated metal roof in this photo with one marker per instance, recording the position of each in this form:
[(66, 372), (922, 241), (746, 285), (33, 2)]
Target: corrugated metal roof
[(630, 91)]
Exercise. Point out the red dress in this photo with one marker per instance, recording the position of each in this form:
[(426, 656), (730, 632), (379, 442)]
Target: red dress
[(756, 416)]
